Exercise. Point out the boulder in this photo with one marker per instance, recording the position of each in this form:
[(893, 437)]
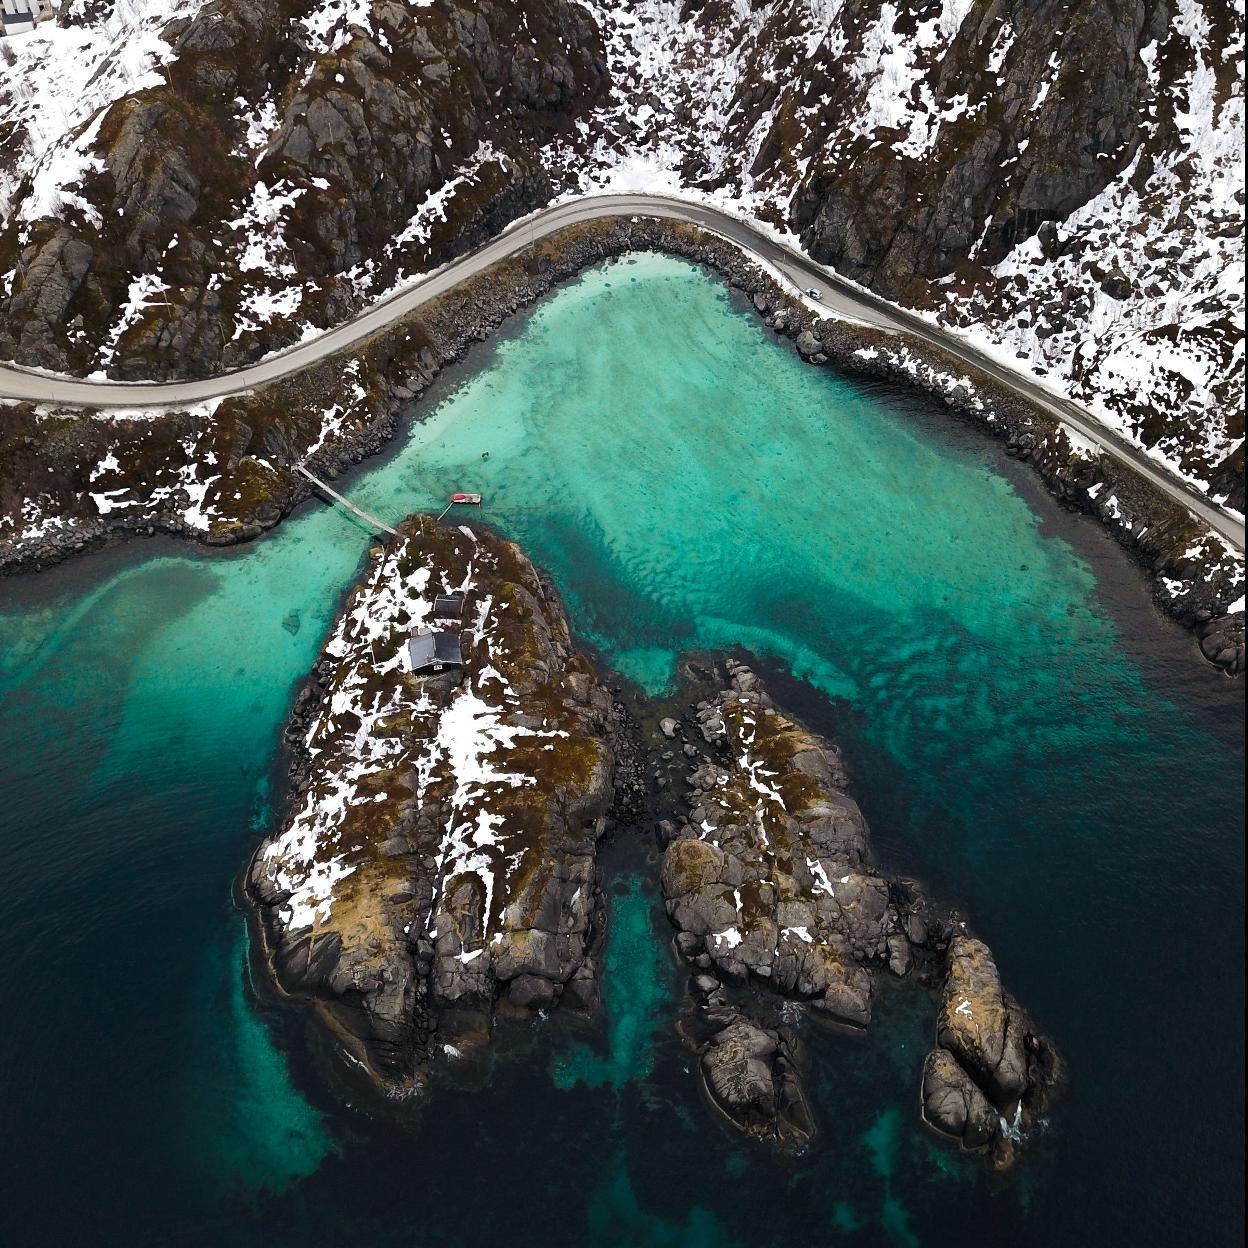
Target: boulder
[(975, 1022), (749, 1075), (954, 1105), (1222, 642)]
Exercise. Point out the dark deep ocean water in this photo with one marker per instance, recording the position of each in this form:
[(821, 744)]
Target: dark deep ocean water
[(1027, 736)]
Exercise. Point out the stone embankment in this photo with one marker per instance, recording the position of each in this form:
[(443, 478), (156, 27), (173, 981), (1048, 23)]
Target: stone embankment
[(436, 867), (769, 880)]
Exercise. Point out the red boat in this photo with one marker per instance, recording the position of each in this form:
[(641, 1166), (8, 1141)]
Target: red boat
[(466, 498)]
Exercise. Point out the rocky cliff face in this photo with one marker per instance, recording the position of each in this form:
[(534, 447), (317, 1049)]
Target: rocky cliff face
[(281, 139), (1032, 109), (769, 880), (437, 863)]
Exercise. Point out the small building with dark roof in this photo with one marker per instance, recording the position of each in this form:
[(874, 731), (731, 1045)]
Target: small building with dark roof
[(429, 654), (448, 606)]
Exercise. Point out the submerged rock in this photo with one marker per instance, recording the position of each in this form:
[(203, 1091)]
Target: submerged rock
[(439, 847)]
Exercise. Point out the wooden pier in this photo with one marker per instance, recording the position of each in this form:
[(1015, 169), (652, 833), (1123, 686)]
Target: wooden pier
[(368, 519)]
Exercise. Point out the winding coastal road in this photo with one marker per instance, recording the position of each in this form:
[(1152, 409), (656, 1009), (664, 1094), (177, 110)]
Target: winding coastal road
[(840, 297)]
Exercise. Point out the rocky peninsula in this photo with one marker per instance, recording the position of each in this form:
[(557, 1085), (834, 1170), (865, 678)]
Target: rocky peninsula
[(436, 866)]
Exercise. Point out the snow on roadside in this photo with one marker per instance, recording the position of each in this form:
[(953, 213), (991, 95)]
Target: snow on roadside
[(1167, 351), (186, 482)]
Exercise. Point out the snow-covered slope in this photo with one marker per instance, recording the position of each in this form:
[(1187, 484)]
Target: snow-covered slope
[(56, 79), (1062, 183), (1065, 187), (246, 171)]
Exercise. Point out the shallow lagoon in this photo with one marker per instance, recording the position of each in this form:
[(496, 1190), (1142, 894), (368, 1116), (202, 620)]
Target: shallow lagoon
[(1027, 736)]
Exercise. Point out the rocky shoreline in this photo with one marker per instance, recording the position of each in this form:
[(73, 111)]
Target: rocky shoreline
[(437, 865), (253, 439)]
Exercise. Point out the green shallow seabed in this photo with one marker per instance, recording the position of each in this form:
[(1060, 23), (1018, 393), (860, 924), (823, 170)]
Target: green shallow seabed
[(1025, 735), (635, 990)]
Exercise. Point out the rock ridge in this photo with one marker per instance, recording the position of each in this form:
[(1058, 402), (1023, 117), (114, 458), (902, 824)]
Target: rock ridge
[(769, 880)]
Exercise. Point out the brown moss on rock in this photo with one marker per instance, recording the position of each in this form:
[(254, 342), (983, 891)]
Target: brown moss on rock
[(786, 895)]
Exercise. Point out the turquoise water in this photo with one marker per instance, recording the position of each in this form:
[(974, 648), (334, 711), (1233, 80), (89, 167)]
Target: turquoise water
[(638, 990), (1026, 735)]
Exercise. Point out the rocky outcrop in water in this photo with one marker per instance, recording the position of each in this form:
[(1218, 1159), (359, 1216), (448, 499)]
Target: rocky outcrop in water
[(750, 1073), (992, 1072), (769, 879), (437, 863), (454, 763), (1222, 642), (770, 873)]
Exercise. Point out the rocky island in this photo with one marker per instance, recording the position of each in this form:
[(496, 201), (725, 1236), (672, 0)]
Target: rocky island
[(454, 765), (769, 879), (437, 864), (853, 334)]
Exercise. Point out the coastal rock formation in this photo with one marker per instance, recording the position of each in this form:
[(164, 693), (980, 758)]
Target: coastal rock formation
[(454, 764), (750, 1072), (768, 878), (770, 874), (437, 863), (992, 1073), (1222, 642), (953, 1104)]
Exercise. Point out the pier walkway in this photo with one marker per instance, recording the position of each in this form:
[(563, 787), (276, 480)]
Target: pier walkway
[(368, 519)]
